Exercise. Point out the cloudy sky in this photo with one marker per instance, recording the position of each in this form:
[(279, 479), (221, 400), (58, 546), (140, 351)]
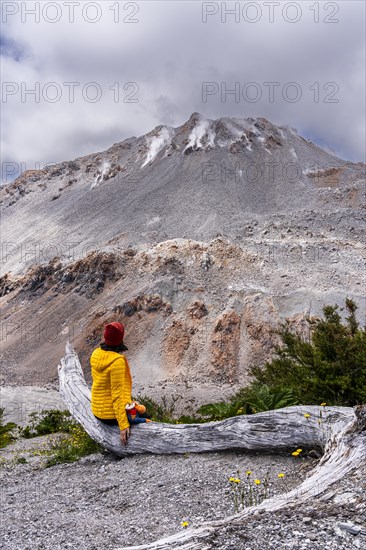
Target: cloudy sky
[(79, 76)]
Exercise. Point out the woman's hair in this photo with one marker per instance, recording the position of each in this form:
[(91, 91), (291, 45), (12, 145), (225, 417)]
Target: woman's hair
[(118, 349)]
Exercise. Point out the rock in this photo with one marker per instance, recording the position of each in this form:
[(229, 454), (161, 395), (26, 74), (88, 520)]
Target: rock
[(206, 261), (350, 528), (197, 309), (67, 277)]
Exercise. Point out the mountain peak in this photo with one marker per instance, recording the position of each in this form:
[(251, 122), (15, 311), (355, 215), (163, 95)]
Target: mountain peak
[(241, 166)]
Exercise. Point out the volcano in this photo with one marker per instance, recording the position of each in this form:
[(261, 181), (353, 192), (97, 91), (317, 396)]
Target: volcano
[(201, 239)]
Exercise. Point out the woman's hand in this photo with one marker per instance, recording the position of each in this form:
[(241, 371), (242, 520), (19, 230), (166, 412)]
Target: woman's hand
[(125, 435)]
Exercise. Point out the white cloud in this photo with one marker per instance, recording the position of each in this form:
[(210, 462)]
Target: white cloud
[(168, 54)]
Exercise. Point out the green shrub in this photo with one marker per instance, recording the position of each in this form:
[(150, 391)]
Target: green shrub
[(164, 412), (158, 412), (260, 397), (187, 419), (6, 431), (74, 442), (220, 410), (47, 422), (72, 446), (328, 366), (251, 399)]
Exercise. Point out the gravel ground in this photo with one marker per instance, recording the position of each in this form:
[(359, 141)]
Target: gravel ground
[(326, 527), (105, 502)]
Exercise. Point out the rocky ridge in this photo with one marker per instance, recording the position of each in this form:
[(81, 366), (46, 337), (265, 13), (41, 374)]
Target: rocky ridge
[(201, 239)]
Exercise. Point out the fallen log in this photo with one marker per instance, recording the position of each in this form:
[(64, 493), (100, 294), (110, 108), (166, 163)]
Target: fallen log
[(280, 430), (345, 452), (338, 431)]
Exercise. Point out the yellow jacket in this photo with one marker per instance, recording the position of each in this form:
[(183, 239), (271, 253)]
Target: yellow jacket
[(112, 386)]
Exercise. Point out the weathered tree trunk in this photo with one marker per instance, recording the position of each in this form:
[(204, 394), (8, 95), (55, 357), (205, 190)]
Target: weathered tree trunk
[(279, 430), (340, 431), (345, 453)]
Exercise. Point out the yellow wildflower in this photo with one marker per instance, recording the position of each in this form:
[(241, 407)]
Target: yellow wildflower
[(322, 404), (239, 411), (185, 523), (281, 475), (234, 480), (248, 472), (307, 415), (295, 453), (257, 481), (299, 450)]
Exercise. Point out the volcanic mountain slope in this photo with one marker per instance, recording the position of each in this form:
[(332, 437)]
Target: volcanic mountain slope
[(201, 239), (197, 181)]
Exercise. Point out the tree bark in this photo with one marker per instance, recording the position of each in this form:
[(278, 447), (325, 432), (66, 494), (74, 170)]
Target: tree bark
[(339, 431), (344, 453), (278, 430)]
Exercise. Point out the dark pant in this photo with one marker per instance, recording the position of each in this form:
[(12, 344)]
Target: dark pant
[(110, 421), (114, 422)]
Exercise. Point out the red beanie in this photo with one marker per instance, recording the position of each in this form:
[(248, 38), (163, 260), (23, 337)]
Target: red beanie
[(113, 334)]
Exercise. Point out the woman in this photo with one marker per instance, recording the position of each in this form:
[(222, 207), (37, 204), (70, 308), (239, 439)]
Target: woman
[(112, 383)]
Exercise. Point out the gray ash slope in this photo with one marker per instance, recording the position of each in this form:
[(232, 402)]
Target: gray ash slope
[(205, 237), (205, 178)]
